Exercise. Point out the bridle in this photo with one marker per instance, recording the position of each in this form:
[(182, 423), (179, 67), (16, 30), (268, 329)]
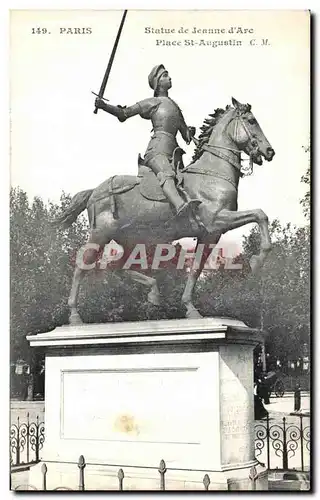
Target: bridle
[(235, 162)]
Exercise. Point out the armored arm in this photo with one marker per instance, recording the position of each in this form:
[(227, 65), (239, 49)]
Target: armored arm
[(185, 131), (121, 112), (143, 108)]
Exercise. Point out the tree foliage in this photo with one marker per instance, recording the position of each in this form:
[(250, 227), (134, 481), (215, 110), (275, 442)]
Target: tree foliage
[(42, 265)]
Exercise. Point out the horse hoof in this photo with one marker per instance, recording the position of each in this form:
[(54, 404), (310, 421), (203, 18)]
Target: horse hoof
[(154, 298), (193, 314), (75, 319)]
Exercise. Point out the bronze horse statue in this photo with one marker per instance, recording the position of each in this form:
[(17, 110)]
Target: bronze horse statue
[(122, 214)]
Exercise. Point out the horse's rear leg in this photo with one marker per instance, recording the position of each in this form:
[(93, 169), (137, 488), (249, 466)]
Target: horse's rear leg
[(74, 318), (86, 259), (204, 252), (154, 294)]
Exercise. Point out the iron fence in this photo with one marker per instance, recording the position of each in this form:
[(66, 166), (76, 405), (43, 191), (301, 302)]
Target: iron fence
[(281, 444), (284, 445), (26, 441), (162, 469)]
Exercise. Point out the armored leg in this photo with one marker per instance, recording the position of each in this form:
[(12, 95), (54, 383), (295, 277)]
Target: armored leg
[(161, 166)]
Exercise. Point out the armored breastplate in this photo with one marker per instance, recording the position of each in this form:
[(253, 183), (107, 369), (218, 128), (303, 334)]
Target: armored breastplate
[(167, 116)]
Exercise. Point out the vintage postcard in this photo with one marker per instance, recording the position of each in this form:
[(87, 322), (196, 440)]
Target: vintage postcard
[(160, 250)]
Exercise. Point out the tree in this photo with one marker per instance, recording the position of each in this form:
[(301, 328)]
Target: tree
[(42, 265), (41, 269), (277, 300), (285, 282)]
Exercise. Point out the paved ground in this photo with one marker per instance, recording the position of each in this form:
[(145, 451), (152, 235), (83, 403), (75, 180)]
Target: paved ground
[(285, 404), (22, 408)]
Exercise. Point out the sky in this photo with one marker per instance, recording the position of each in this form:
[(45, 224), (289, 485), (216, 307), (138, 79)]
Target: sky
[(57, 143)]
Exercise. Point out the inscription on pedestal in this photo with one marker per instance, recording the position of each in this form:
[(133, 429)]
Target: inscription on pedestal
[(132, 405), (236, 398)]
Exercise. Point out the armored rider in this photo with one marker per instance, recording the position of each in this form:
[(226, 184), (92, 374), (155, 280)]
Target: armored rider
[(167, 120)]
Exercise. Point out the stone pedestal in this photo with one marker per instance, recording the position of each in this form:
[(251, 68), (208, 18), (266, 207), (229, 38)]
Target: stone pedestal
[(130, 394)]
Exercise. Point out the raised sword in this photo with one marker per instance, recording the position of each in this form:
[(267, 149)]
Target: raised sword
[(107, 73)]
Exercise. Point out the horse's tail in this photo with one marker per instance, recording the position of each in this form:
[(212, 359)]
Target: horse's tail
[(77, 205)]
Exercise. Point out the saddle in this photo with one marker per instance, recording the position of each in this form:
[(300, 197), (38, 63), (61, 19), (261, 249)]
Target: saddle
[(149, 185), (147, 181)]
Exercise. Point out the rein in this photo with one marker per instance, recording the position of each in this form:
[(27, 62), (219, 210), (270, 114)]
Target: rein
[(219, 154), (236, 163), (248, 170)]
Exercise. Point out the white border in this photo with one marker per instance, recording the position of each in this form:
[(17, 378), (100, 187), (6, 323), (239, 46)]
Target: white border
[(313, 5)]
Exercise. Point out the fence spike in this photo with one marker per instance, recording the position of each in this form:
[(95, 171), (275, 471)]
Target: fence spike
[(268, 442), (37, 440), (18, 442), (44, 470), (301, 443), (81, 465), (253, 473), (120, 477), (162, 467), (253, 476), (284, 451), (206, 481), (162, 470), (28, 438)]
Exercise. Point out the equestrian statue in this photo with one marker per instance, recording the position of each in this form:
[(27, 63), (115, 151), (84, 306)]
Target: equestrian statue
[(167, 201)]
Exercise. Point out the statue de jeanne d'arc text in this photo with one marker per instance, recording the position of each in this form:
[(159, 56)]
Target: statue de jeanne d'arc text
[(167, 201)]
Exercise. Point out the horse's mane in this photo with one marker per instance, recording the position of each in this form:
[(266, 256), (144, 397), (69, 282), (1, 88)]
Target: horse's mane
[(206, 130)]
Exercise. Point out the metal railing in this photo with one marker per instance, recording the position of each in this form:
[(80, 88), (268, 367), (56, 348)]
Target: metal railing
[(26, 441), (284, 445), (281, 444), (162, 469)]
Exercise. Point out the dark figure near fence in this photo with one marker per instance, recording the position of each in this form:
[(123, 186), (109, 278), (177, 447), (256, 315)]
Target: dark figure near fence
[(259, 410), (264, 389), (297, 398), (262, 379)]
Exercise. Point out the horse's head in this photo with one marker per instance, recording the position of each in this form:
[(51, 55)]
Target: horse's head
[(244, 130)]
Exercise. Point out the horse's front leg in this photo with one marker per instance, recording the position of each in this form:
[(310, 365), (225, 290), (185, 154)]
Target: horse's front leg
[(200, 259), (227, 220), (154, 294)]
